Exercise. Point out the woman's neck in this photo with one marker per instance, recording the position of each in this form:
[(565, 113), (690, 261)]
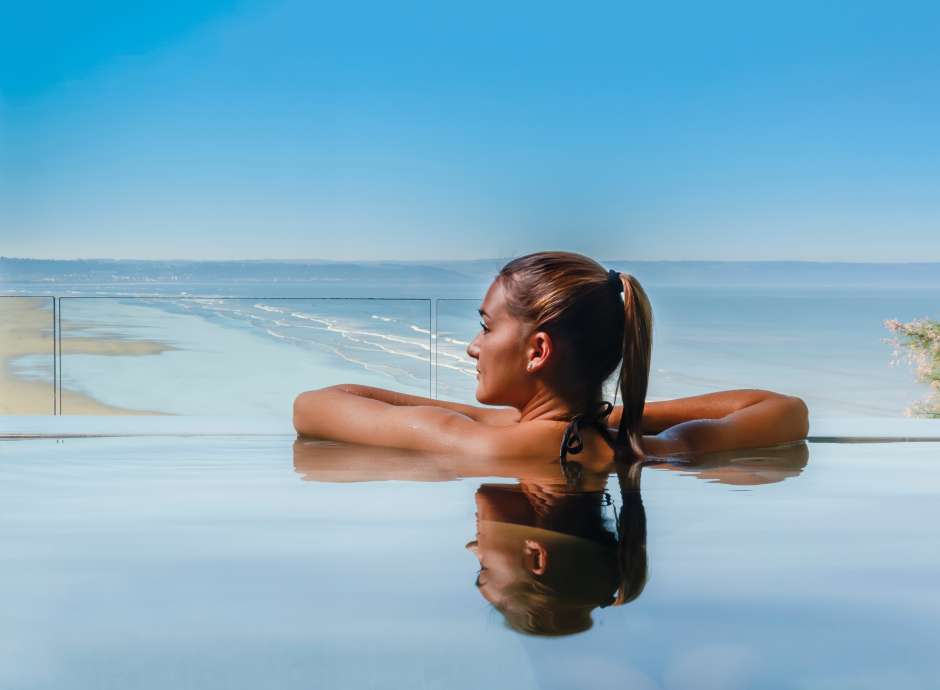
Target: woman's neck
[(547, 404)]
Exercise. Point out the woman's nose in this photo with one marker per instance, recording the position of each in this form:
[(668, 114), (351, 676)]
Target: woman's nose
[(473, 350)]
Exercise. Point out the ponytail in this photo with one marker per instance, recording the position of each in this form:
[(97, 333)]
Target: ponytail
[(633, 381), (634, 369), (632, 559)]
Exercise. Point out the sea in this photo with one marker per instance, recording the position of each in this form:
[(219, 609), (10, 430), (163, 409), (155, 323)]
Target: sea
[(245, 337)]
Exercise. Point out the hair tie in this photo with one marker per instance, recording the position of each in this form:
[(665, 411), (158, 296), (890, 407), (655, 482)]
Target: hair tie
[(613, 277)]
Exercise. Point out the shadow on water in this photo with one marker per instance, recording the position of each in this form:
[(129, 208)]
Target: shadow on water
[(550, 554)]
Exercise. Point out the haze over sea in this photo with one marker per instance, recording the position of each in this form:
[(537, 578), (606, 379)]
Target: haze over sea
[(249, 335)]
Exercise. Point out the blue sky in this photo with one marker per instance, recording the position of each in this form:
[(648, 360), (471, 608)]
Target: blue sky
[(802, 130)]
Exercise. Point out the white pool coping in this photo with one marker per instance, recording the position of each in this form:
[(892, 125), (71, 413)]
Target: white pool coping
[(832, 430)]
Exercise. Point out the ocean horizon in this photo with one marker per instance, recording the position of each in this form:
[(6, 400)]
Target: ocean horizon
[(889, 275)]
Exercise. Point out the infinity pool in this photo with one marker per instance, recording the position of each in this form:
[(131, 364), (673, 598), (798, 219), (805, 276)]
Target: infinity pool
[(226, 561)]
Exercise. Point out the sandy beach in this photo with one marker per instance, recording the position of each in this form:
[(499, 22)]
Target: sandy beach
[(28, 331)]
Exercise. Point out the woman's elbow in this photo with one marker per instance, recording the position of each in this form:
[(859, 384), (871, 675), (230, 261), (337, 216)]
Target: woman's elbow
[(798, 414), (298, 412), (302, 416)]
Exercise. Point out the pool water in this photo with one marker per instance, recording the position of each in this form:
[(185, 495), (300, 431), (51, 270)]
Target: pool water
[(254, 562)]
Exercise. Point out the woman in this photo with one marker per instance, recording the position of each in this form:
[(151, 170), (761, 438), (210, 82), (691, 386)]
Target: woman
[(554, 328)]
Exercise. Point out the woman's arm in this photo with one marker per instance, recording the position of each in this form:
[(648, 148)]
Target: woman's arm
[(728, 420), (660, 415), (494, 416), (336, 415)]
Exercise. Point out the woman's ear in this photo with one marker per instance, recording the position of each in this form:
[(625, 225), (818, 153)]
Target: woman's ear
[(535, 557), (539, 351)]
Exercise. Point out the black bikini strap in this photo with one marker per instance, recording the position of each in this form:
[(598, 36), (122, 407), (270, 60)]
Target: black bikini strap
[(573, 443)]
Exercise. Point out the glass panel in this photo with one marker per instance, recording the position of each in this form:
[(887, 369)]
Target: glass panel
[(244, 356), (827, 345), (457, 324), (27, 347), (824, 344)]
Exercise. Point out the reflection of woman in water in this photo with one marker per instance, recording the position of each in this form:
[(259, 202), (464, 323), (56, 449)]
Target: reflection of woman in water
[(550, 554), (555, 326), (548, 557)]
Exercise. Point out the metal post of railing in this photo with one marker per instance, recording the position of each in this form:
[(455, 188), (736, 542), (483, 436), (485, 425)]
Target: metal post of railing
[(55, 355), (58, 338)]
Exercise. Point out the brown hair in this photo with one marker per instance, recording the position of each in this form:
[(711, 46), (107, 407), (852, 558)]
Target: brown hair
[(573, 299), (612, 573)]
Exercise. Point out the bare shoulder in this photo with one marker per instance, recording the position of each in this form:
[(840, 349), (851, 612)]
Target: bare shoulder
[(521, 439), (428, 428), (542, 439)]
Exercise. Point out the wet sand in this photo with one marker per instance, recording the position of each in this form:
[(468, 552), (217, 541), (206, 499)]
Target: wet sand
[(27, 330)]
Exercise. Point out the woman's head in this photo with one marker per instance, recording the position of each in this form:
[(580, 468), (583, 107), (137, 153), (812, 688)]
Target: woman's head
[(546, 571), (542, 582), (557, 319)]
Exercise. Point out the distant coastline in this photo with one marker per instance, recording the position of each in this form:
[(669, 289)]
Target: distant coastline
[(470, 272)]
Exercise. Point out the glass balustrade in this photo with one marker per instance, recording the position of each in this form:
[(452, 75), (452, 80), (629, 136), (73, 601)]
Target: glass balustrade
[(235, 356), (228, 355), (27, 348), (458, 323)]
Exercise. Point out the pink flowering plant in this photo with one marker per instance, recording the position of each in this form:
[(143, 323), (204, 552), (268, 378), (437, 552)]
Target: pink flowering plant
[(918, 342)]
